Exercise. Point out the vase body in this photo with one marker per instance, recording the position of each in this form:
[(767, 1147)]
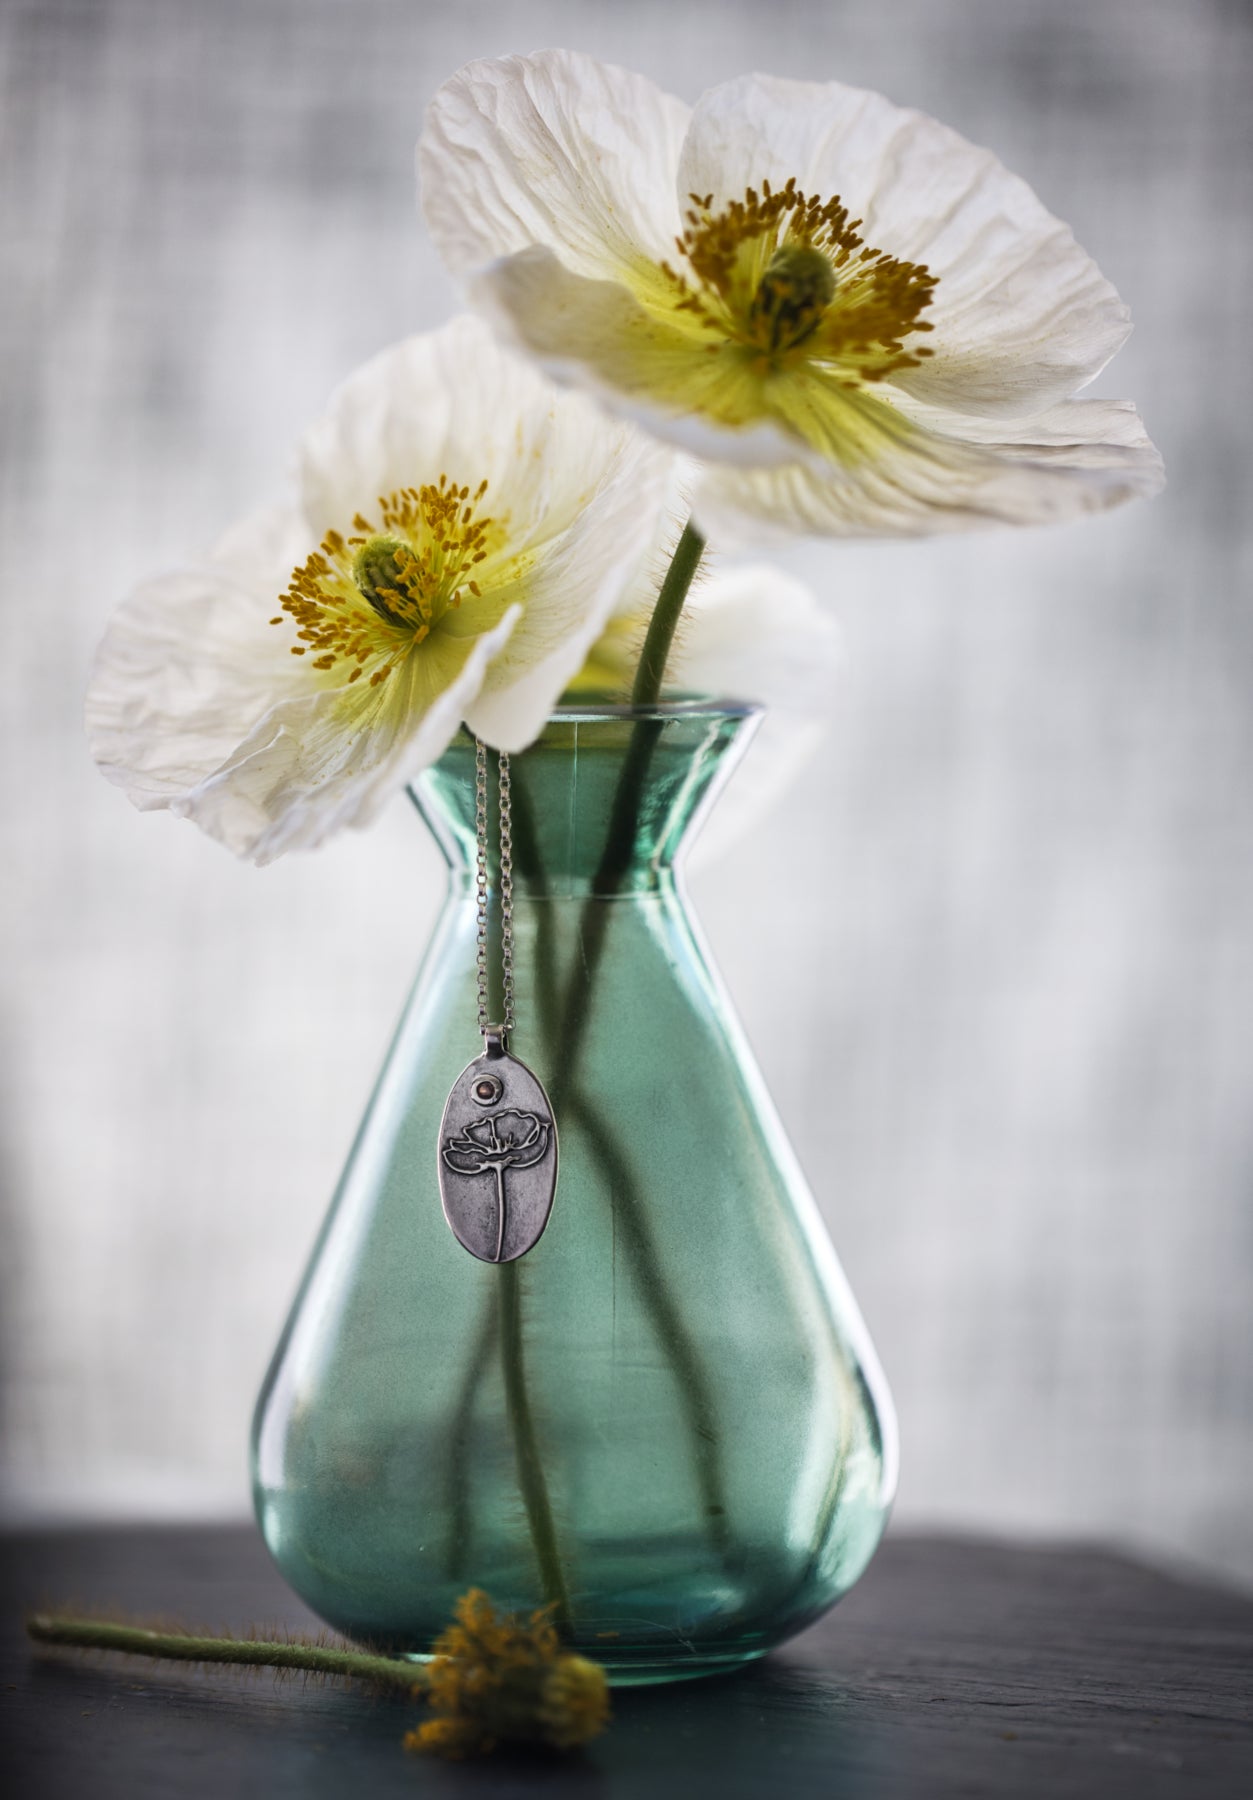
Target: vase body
[(666, 1419)]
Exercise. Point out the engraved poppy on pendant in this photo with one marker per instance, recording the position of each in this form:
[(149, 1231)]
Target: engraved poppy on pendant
[(497, 1159)]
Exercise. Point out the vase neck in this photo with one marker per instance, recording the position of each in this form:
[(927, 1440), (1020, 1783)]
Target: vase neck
[(603, 801)]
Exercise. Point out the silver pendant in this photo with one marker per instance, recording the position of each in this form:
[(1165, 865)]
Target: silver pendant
[(497, 1156)]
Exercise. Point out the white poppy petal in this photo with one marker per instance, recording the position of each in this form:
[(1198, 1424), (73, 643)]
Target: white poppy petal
[(450, 401), (417, 406), (617, 529), (413, 406), (186, 665), (554, 149), (753, 632), (1021, 315), (598, 335), (553, 639), (747, 633), (1080, 457), (262, 549), (313, 765)]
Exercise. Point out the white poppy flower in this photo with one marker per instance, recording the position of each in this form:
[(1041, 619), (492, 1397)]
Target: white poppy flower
[(864, 324), (749, 631), (462, 532), (754, 632)]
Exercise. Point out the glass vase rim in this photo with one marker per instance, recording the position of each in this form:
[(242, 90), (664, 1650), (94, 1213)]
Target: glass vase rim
[(687, 706), (684, 706)]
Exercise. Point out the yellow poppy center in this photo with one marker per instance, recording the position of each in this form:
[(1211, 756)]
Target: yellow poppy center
[(786, 275), (372, 596)]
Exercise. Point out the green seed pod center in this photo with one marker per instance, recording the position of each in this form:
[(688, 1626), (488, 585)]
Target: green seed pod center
[(795, 291), (378, 569)]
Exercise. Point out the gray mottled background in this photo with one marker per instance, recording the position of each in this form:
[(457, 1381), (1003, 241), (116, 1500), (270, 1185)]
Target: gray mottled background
[(1014, 900)]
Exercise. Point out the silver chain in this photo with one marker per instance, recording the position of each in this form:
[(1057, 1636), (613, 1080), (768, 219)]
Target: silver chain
[(506, 887)]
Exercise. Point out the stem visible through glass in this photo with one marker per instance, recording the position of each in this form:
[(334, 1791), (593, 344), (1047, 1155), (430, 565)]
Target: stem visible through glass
[(506, 1318), (615, 860), (531, 1478), (504, 1308), (624, 815), (457, 1485), (695, 1394)]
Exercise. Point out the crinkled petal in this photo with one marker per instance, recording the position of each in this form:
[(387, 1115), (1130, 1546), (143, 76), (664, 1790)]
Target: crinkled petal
[(1022, 316), (930, 472), (555, 149), (312, 765), (431, 404), (455, 401), (186, 666), (571, 591)]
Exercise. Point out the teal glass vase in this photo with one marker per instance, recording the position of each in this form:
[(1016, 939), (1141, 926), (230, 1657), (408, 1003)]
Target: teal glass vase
[(666, 1421)]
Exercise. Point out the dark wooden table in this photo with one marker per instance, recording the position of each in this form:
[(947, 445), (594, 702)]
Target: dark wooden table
[(957, 1667)]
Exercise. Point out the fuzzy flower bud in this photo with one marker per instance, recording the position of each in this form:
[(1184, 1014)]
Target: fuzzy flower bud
[(498, 1678)]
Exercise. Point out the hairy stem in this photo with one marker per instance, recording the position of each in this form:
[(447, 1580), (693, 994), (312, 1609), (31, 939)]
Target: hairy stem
[(174, 1646), (614, 862), (678, 579), (624, 816), (526, 1447)]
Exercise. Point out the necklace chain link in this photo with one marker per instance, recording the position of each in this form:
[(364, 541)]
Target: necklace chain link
[(482, 888)]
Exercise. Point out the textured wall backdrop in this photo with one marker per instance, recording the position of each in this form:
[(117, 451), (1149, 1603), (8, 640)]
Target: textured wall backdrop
[(1014, 899)]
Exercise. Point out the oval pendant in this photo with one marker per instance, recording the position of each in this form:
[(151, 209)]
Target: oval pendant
[(497, 1157)]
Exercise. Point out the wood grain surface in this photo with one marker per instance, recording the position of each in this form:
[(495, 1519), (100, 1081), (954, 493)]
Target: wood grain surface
[(956, 1668)]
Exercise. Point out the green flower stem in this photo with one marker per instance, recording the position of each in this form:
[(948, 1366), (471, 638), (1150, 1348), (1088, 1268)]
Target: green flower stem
[(616, 859), (531, 1479), (176, 1646), (526, 1447), (695, 1396), (614, 863), (840, 1474), (694, 1391), (668, 1322), (624, 814), (460, 1523), (653, 657)]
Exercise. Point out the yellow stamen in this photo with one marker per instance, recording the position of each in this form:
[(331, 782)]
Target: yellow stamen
[(374, 596), (787, 275)]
